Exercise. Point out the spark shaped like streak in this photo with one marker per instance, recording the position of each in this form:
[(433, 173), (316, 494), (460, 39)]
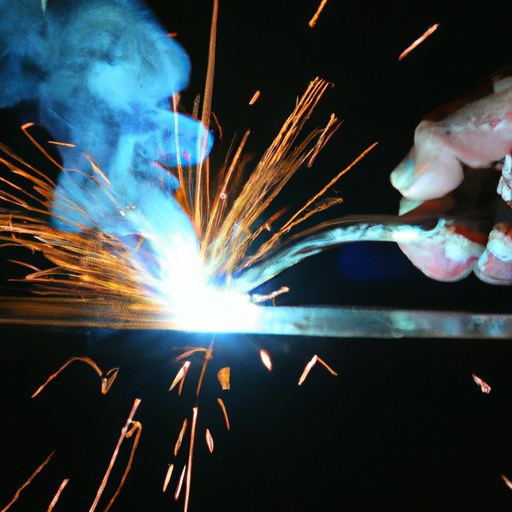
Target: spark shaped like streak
[(36, 472), (484, 387), (57, 494), (314, 19), (126, 432), (418, 41)]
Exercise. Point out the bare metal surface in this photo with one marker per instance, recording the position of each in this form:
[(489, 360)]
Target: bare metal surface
[(331, 322)]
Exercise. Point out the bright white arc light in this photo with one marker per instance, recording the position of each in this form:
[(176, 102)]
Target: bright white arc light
[(208, 309)]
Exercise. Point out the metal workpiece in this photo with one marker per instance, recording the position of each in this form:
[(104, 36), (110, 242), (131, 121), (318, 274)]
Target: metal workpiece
[(314, 321)]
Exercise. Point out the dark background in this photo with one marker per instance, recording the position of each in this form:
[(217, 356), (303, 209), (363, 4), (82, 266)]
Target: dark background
[(403, 426)]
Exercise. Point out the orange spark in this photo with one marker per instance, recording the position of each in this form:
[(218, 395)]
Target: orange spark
[(34, 474), (180, 376), (209, 440), (313, 20), (195, 410), (57, 496), (223, 407), (257, 297), (189, 352), (310, 365), (168, 476), (24, 128), (254, 98), (107, 379), (483, 385), (136, 427), (124, 431), (97, 170), (180, 389), (265, 359), (180, 437), (177, 492), (224, 375), (321, 361), (208, 356), (307, 369), (66, 144), (418, 41), (507, 481)]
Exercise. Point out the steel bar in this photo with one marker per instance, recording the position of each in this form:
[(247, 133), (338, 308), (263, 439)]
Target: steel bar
[(318, 321)]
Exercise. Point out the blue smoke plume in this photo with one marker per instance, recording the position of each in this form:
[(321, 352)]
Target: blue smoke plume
[(102, 73)]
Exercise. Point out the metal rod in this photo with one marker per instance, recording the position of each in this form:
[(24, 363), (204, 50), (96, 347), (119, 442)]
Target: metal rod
[(317, 321)]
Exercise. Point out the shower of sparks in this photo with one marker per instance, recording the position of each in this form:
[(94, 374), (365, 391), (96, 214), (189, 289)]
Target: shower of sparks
[(418, 41), (314, 19), (124, 434), (34, 474), (87, 263), (254, 98), (483, 385), (254, 275), (57, 495), (233, 222), (93, 263), (223, 377), (310, 365), (229, 216), (265, 359), (107, 379)]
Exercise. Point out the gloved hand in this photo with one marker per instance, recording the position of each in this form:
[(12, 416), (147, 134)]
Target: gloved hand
[(472, 133)]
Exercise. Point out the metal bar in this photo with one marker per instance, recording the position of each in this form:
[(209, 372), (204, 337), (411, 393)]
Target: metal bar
[(326, 322)]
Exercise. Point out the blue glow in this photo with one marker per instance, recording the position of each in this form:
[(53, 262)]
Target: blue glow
[(372, 260)]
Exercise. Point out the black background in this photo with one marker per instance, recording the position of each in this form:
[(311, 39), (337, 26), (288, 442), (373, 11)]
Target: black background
[(403, 426)]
